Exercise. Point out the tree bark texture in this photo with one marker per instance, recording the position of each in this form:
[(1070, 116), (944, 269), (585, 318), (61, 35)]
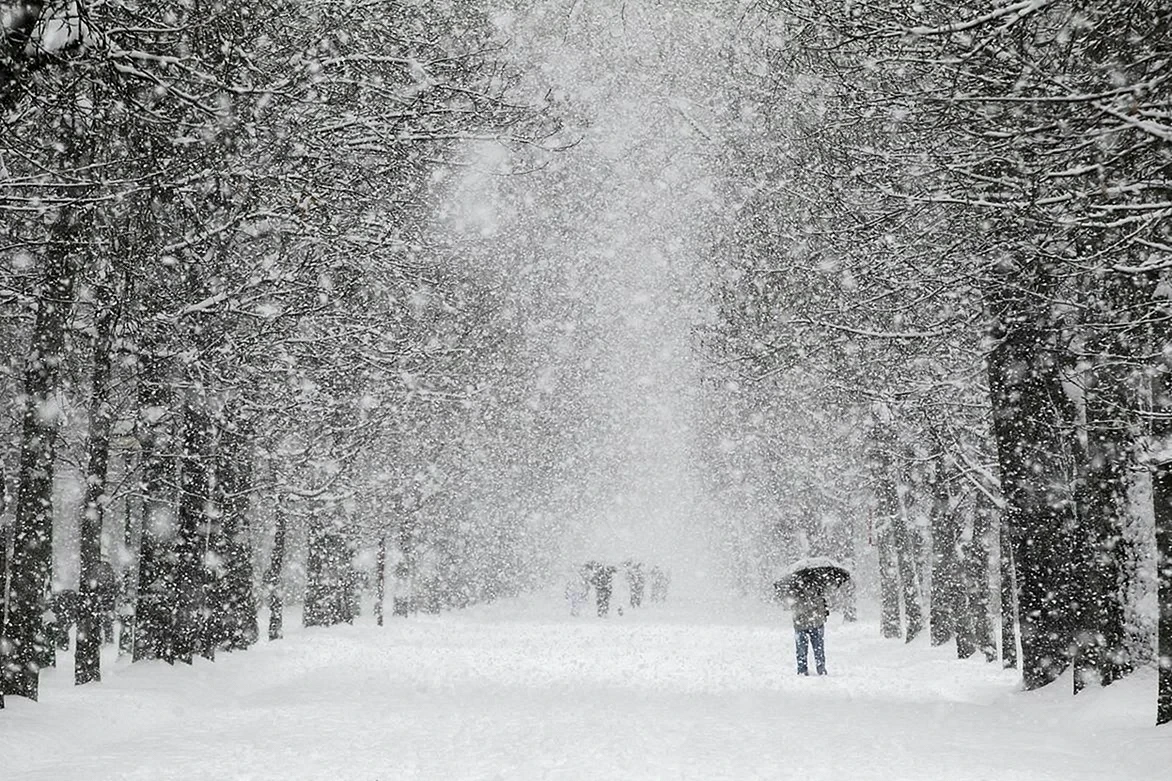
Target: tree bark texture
[(17, 57), (154, 614), (977, 561), (92, 595), (1102, 492), (889, 586), (382, 580), (328, 597), (941, 620), (1029, 428), (909, 583), (24, 646), (1162, 510), (949, 573), (273, 575), (1162, 502), (129, 595), (1100, 655), (193, 535), (1008, 599), (5, 544), (317, 591), (897, 576), (233, 597)]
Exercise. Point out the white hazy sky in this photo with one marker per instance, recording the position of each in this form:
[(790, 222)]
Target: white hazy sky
[(636, 194)]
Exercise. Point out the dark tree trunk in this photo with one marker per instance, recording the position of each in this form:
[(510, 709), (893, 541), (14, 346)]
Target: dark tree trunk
[(977, 564), (382, 580), (1162, 509), (910, 584), (1099, 656), (1008, 599), (965, 643), (24, 648), (273, 576), (1164, 593), (897, 574), (944, 570), (328, 575), (5, 543), (194, 531), (155, 603), (17, 56), (950, 620), (958, 597), (1102, 502), (889, 586), (1029, 427), (234, 599), (91, 596), (129, 581), (316, 609)]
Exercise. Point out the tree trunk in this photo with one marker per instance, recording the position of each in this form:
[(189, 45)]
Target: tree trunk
[(382, 580), (87, 662), (1164, 593), (328, 574), (1028, 423), (17, 56), (888, 586), (273, 576), (944, 571), (234, 598), (316, 606), (1102, 503), (5, 544), (1099, 640), (962, 619), (909, 583), (129, 581), (1008, 599), (977, 562), (950, 620), (194, 531), (896, 559), (1162, 510), (155, 604), (24, 647)]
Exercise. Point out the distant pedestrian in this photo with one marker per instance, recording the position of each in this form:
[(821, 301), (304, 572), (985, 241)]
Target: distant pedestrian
[(658, 581), (602, 580), (635, 581), (808, 604), (577, 591)]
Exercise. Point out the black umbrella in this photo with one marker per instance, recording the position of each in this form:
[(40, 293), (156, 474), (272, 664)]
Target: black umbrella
[(814, 575)]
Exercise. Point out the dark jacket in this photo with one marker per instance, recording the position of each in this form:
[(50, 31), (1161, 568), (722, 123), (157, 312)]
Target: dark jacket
[(809, 610)]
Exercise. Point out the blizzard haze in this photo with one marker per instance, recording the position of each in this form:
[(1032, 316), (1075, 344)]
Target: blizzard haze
[(600, 245)]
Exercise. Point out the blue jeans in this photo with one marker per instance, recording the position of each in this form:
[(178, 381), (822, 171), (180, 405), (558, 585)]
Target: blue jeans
[(815, 638)]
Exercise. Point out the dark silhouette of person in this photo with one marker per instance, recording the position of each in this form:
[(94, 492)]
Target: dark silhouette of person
[(809, 615), (635, 581), (659, 579), (602, 580)]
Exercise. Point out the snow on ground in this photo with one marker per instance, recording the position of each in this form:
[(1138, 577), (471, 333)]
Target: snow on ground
[(519, 690)]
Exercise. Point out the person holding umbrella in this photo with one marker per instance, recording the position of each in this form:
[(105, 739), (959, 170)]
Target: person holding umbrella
[(803, 590)]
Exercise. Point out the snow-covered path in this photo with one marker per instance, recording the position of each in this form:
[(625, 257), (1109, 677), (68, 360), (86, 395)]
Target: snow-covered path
[(520, 691)]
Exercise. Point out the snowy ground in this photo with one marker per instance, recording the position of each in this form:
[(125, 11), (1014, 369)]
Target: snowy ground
[(520, 691)]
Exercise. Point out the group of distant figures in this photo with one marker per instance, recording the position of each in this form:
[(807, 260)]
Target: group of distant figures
[(601, 578)]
